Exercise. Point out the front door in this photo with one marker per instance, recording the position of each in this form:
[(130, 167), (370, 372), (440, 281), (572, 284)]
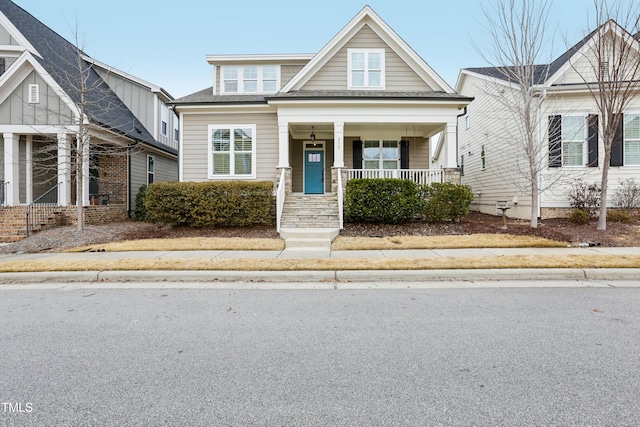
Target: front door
[(314, 171)]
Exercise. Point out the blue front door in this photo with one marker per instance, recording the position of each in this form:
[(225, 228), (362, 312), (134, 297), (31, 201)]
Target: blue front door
[(314, 172)]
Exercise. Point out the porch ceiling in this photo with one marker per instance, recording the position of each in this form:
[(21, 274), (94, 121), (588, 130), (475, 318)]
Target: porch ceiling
[(324, 131)]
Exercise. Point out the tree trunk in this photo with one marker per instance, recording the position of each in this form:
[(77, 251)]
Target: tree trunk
[(602, 219)]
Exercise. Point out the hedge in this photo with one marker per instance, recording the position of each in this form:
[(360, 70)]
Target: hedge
[(388, 201), (205, 204), (446, 201)]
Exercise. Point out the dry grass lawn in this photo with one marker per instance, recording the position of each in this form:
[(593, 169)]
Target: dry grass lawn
[(187, 244), (443, 242), (543, 261)]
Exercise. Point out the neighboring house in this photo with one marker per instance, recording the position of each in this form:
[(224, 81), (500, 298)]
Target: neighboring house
[(39, 109), (366, 105), (571, 148)]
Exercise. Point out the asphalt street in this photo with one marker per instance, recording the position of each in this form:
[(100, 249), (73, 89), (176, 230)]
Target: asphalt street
[(207, 357)]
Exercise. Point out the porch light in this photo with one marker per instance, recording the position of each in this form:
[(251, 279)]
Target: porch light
[(313, 135)]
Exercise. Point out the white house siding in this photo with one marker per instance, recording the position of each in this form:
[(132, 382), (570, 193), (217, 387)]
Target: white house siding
[(334, 74), (492, 125), (51, 110), (195, 149), (5, 38), (557, 197)]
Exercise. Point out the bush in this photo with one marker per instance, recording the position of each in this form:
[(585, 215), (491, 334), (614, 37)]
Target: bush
[(205, 204), (579, 216), (446, 201), (140, 211), (387, 201), (619, 215), (627, 196), (585, 197)]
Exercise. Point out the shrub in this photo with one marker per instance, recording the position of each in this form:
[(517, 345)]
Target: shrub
[(204, 204), (579, 216), (140, 211), (446, 201), (585, 197), (627, 196), (619, 215), (387, 201)]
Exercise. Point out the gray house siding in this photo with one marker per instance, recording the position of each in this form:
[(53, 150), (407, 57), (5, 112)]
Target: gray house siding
[(195, 147), (166, 169), (15, 110), (334, 74)]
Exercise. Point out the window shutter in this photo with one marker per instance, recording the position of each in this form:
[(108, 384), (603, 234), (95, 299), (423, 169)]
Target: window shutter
[(555, 141), (592, 139), (617, 145), (357, 154), (404, 154)]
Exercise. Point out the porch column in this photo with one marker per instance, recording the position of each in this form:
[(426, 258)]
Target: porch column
[(85, 170), (283, 144), (450, 152), (338, 145), (64, 170), (12, 168), (29, 167)]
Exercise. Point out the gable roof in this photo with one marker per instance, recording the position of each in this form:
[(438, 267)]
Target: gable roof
[(547, 73), (368, 17), (60, 60)]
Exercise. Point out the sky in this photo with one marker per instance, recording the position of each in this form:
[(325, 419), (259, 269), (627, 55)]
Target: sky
[(165, 42)]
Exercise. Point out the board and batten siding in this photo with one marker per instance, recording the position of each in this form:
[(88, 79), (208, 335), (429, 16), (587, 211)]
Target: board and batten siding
[(16, 110), (166, 169), (334, 74), (195, 148), (6, 39), (138, 99)]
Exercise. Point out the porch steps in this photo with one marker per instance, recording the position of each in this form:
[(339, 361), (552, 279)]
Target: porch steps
[(310, 221), (13, 226)]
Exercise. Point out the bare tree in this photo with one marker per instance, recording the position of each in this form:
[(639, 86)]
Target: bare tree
[(609, 65), (96, 119), (517, 33)]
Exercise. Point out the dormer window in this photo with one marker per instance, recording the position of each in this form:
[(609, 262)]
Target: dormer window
[(250, 79), (366, 69)]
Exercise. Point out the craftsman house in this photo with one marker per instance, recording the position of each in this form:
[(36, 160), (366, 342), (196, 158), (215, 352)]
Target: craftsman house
[(571, 147), (366, 105), (131, 138)]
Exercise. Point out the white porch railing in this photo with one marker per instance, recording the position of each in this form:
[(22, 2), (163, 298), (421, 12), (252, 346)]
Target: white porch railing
[(420, 176), (340, 200), (280, 196)]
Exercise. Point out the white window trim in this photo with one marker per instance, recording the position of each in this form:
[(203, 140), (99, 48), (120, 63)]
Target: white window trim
[(624, 141), (584, 142), (231, 160), (149, 157), (164, 118), (381, 160), (34, 94), (366, 62), (240, 80)]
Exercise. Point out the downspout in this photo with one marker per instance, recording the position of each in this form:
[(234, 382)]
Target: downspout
[(129, 180), (464, 113)]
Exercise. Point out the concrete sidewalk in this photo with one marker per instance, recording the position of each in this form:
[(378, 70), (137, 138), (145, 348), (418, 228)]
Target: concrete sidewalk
[(378, 276)]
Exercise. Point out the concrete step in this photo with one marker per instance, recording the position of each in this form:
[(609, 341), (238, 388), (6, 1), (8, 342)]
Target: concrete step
[(309, 238)]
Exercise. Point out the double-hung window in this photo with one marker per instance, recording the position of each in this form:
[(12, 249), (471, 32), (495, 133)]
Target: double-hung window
[(366, 68), (249, 79), (632, 140), (573, 140), (232, 151), (151, 169), (381, 154)]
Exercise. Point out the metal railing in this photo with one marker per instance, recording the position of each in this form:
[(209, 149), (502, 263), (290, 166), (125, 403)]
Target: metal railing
[(40, 210), (3, 194), (280, 197), (420, 176), (105, 193)]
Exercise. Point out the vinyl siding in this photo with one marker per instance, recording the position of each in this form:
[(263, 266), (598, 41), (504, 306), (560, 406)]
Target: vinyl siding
[(166, 169), (196, 142), (334, 74), (287, 72), (51, 110), (5, 38)]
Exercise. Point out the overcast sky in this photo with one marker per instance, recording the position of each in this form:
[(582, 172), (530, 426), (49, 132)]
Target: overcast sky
[(165, 42)]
